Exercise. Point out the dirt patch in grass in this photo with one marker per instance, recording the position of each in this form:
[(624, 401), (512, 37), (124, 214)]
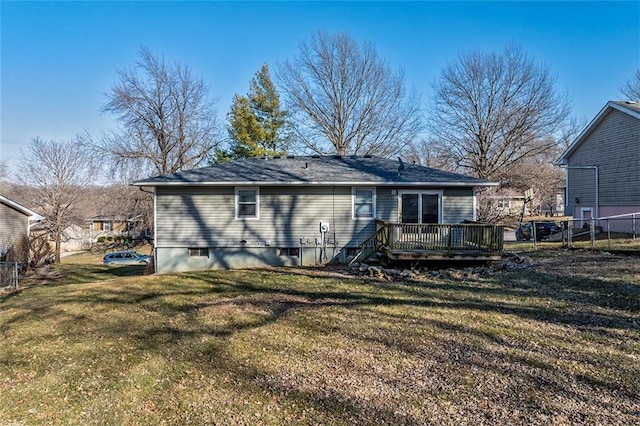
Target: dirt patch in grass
[(555, 343)]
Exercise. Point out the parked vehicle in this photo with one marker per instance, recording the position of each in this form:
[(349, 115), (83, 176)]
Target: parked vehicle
[(127, 257), (543, 230)]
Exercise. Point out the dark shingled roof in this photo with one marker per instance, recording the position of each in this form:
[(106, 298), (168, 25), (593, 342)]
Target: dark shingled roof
[(314, 170)]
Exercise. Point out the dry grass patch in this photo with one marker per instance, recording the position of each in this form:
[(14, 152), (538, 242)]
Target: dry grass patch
[(555, 344)]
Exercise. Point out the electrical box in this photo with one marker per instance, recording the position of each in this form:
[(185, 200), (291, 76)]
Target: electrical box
[(324, 227)]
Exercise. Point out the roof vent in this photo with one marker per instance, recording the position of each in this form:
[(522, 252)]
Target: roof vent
[(315, 156), (291, 156), (367, 156), (337, 157), (277, 156)]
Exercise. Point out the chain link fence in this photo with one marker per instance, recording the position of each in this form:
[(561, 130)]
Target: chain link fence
[(8, 275), (607, 233)]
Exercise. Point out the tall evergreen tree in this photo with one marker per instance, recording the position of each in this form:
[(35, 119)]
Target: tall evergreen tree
[(257, 124)]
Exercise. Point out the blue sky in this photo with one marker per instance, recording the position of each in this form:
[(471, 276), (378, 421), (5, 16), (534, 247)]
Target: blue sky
[(58, 58)]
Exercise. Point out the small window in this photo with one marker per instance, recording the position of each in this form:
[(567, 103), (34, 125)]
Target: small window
[(199, 252), (364, 202), (247, 203), (289, 251), (503, 203), (107, 226)]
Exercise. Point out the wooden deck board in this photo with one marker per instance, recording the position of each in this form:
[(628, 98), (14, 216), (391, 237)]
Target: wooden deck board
[(435, 241)]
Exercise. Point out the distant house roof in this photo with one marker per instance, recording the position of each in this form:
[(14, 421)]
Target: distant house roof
[(113, 218), (631, 108), (315, 170), (22, 209)]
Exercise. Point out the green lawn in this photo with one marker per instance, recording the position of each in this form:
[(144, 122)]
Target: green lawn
[(558, 343)]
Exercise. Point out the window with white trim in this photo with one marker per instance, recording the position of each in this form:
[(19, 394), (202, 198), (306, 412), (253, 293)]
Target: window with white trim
[(199, 252), (503, 203), (364, 202), (247, 203)]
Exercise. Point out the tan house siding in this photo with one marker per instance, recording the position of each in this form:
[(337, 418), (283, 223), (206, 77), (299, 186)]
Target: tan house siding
[(13, 225), (613, 146)]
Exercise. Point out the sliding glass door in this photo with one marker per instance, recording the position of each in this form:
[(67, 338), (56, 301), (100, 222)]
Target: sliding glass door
[(420, 207)]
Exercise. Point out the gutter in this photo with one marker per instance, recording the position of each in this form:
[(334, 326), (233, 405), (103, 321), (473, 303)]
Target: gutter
[(276, 183)]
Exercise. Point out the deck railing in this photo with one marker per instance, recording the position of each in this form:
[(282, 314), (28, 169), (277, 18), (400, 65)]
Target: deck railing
[(467, 237)]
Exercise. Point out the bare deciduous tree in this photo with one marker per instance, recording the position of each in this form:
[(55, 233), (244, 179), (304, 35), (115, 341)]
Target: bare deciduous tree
[(631, 89), (344, 99), (3, 169), (167, 119), (428, 153), (55, 175), (491, 110)]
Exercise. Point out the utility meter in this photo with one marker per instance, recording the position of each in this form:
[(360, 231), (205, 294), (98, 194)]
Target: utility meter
[(324, 227)]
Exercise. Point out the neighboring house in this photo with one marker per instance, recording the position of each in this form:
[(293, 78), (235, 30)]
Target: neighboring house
[(508, 205), (105, 226), (511, 205), (295, 210), (15, 223), (603, 168)]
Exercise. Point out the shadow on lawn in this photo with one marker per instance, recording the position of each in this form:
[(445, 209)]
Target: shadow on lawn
[(249, 300), (503, 293), (124, 271)]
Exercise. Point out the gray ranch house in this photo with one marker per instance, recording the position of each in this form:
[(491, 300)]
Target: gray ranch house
[(302, 210), (15, 223), (603, 169)]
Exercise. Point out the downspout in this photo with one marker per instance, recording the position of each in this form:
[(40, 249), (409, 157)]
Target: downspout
[(30, 224), (597, 183)]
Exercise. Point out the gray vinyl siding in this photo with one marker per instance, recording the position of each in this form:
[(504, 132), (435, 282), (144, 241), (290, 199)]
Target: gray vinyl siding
[(13, 225), (613, 146), (205, 217), (290, 216), (387, 204), (457, 203)]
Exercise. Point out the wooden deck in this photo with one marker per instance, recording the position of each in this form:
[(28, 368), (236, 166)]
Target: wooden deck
[(401, 241)]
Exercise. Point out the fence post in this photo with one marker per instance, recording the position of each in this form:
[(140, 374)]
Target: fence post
[(592, 228), (15, 275), (608, 235), (534, 236), (633, 225), (569, 232)]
